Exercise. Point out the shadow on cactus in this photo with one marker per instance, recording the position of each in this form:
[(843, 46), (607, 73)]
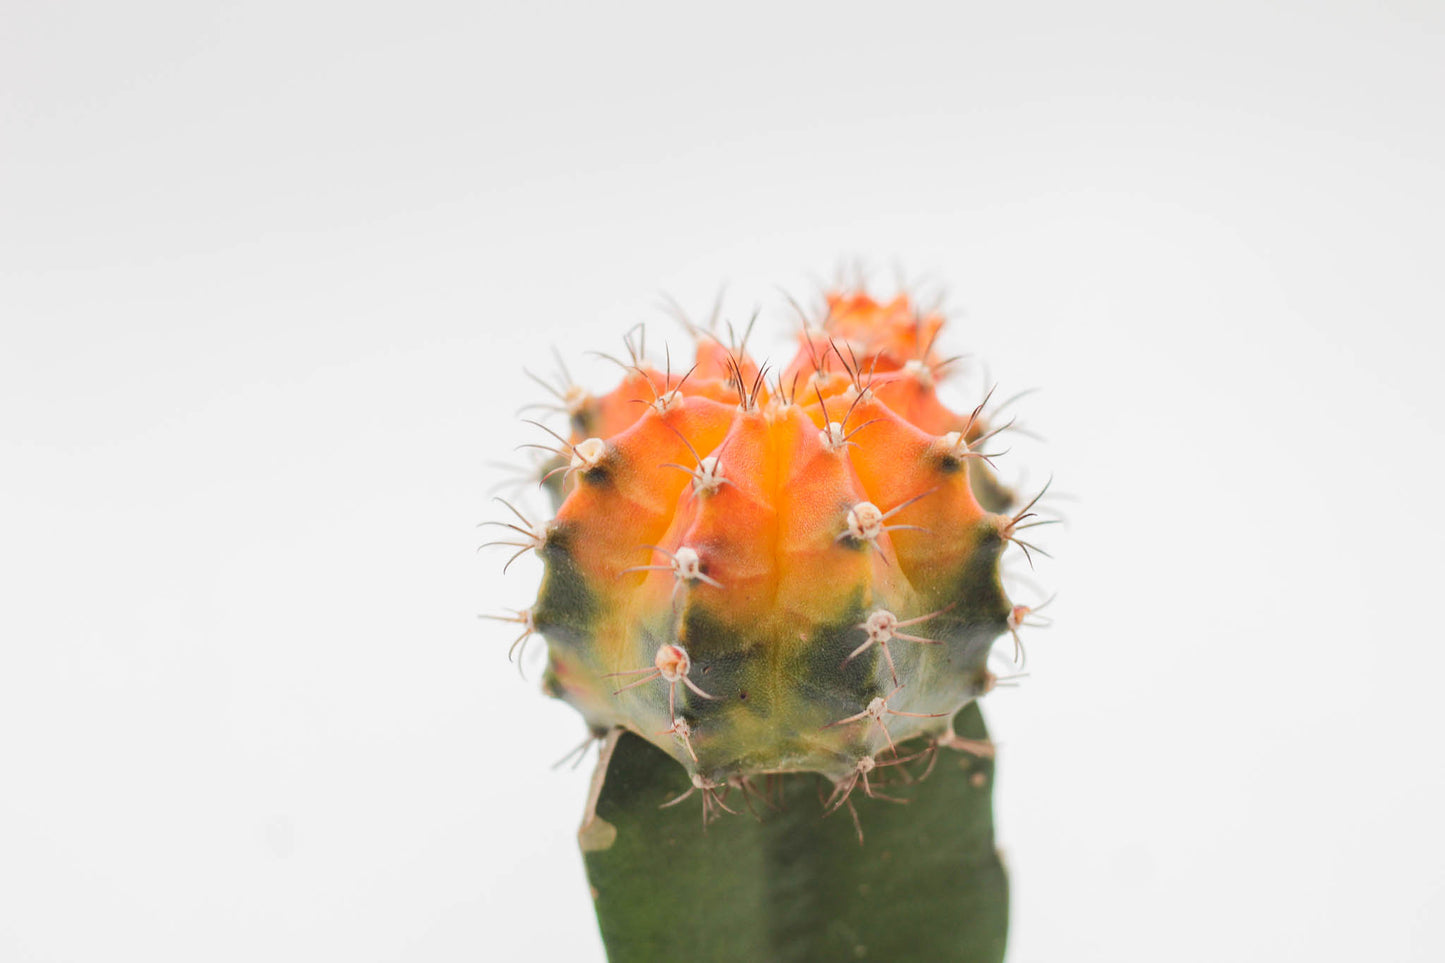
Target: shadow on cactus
[(787, 580)]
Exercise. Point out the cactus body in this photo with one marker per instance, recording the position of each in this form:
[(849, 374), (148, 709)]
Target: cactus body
[(765, 571)]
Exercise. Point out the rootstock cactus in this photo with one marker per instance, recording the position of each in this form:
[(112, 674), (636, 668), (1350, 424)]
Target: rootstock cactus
[(772, 570)]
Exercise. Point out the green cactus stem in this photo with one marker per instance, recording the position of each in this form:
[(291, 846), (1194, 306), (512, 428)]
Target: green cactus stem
[(791, 885)]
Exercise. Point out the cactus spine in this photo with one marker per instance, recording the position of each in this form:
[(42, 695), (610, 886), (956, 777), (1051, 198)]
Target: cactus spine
[(776, 570)]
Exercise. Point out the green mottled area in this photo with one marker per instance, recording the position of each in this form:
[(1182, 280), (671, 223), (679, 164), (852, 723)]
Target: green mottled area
[(776, 703), (926, 885)]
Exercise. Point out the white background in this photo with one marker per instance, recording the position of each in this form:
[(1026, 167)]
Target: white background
[(269, 273)]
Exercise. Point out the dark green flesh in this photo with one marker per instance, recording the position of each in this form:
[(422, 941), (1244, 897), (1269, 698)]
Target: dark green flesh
[(927, 884)]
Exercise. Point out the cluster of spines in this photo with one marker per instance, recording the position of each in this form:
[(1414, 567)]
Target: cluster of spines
[(761, 572)]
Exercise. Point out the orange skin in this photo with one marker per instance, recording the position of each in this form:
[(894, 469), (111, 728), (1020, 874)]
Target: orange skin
[(617, 410), (745, 503), (893, 331), (777, 468), (861, 333), (612, 522), (818, 487)]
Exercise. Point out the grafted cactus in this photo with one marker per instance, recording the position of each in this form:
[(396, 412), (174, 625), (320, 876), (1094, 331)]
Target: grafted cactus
[(765, 571)]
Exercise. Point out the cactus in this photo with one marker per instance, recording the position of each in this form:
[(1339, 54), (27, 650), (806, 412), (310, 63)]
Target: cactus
[(763, 571)]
